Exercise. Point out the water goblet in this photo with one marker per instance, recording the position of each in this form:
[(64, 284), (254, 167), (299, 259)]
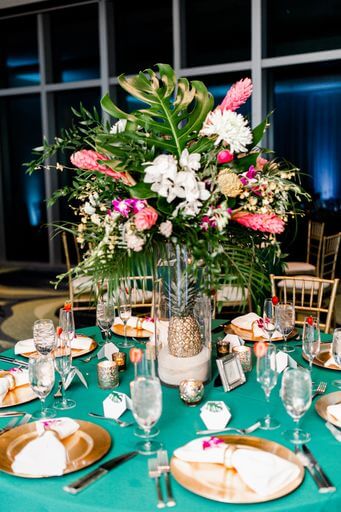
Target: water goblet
[(147, 407), (285, 322), (336, 352), (41, 377), (267, 377), (44, 336), (311, 339), (269, 321), (63, 364), (105, 315), (296, 394)]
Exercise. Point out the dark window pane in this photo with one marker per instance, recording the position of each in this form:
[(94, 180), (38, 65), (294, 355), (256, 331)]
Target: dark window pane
[(63, 102), (302, 26), (75, 46), (24, 196), (216, 32), (307, 130), (143, 34), (19, 52)]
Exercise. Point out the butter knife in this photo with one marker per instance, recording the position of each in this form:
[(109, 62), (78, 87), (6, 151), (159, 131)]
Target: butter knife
[(102, 470), (328, 486), (12, 360)]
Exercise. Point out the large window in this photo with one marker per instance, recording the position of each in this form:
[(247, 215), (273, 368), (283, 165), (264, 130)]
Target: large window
[(55, 54)]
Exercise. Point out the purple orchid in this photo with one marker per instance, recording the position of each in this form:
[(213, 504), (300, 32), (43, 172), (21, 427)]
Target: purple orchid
[(211, 443)]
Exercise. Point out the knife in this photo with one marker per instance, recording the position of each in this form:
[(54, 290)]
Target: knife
[(328, 486), (219, 328), (102, 470), (12, 360)]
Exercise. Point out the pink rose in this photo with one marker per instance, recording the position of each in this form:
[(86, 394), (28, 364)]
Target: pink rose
[(265, 222), (224, 157), (145, 218)]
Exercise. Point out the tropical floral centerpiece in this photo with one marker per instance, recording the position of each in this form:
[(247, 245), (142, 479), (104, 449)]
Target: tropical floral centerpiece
[(175, 171)]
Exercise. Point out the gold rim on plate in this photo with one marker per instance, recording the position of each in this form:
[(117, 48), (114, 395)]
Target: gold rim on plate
[(321, 358), (248, 335), (224, 484), (75, 352), (322, 404), (89, 444), (17, 396), (132, 332)]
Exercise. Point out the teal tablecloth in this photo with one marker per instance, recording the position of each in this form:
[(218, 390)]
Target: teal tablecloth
[(128, 487)]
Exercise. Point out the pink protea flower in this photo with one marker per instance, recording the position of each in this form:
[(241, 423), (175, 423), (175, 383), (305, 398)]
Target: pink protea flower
[(265, 222), (145, 218), (237, 95), (224, 157), (88, 159)]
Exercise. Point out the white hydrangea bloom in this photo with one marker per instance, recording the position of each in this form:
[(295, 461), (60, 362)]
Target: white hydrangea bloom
[(230, 127), (119, 127)]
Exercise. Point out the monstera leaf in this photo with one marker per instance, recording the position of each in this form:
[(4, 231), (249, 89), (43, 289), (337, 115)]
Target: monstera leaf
[(177, 108)]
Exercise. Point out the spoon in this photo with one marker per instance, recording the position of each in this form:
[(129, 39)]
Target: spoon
[(119, 422)]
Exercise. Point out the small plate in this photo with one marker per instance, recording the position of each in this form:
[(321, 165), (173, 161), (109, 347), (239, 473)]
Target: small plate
[(323, 357), (132, 332), (248, 335), (225, 485), (322, 404), (75, 352), (89, 444), (18, 396)]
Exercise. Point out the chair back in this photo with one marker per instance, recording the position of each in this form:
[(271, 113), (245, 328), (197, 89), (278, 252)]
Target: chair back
[(309, 295), (330, 252), (314, 245)]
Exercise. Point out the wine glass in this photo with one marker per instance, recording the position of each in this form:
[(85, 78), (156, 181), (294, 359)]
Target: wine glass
[(311, 339), (124, 311), (63, 363), (105, 315), (269, 318), (285, 322), (267, 377), (41, 377), (336, 352), (44, 336), (67, 322), (147, 407), (296, 394)]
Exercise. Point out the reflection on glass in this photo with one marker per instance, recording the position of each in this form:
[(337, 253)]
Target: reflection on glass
[(19, 55)]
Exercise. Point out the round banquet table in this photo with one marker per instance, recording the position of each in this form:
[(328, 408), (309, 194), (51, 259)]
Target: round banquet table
[(128, 487)]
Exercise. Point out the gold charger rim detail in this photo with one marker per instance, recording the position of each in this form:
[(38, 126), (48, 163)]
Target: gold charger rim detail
[(248, 335), (322, 404), (132, 332), (17, 396), (222, 493), (322, 357), (75, 352), (97, 448)]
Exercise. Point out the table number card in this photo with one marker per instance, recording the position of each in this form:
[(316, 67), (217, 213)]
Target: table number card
[(215, 414), (283, 361), (115, 404), (107, 351)]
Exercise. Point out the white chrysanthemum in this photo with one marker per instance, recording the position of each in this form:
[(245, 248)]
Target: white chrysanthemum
[(166, 228), (119, 127), (190, 162), (230, 127)]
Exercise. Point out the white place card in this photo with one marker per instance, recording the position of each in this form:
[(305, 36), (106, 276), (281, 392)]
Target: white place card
[(283, 360), (215, 414), (115, 404), (73, 372), (107, 351)]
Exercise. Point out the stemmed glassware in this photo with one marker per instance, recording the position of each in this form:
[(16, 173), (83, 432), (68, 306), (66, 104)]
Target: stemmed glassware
[(44, 336), (67, 322), (63, 363), (147, 408), (269, 318), (124, 311), (285, 322), (41, 377), (105, 315), (296, 394), (267, 377), (336, 352), (311, 339)]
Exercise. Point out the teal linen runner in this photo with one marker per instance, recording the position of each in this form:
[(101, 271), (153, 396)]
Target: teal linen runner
[(128, 487)]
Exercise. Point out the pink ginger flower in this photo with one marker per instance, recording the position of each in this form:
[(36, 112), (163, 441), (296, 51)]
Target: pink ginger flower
[(146, 218), (265, 222), (88, 159), (237, 95)]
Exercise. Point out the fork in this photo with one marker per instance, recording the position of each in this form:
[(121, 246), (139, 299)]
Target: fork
[(155, 474), (321, 388), (164, 469), (88, 359), (119, 422), (242, 431)]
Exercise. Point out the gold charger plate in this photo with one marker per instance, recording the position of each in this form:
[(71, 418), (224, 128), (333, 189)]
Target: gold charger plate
[(248, 335), (89, 444), (322, 404), (18, 396), (323, 357), (132, 332), (75, 352), (225, 485)]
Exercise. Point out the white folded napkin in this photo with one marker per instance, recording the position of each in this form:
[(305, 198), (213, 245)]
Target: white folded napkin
[(249, 322), (265, 473), (146, 324), (27, 346), (331, 362), (44, 456), (335, 411), (63, 427), (81, 342), (15, 378), (234, 340)]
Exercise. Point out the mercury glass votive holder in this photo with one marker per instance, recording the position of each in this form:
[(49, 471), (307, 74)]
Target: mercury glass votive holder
[(120, 359), (107, 374), (245, 357), (223, 348), (191, 391)]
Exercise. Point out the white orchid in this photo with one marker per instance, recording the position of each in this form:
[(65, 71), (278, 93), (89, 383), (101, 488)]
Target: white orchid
[(230, 127), (119, 127), (190, 162)]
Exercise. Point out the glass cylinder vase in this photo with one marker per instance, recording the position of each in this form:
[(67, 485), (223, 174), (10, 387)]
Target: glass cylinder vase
[(182, 320)]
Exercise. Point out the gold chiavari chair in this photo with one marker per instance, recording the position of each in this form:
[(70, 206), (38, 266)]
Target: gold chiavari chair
[(330, 252), (230, 296), (309, 295), (314, 247)]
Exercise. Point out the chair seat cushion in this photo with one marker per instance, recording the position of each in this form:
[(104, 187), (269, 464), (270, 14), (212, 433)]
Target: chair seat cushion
[(300, 281), (230, 293), (299, 267), (82, 284)]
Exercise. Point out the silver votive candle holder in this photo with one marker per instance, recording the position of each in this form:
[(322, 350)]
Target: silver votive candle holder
[(120, 359), (245, 357), (191, 391), (107, 374), (223, 348)]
